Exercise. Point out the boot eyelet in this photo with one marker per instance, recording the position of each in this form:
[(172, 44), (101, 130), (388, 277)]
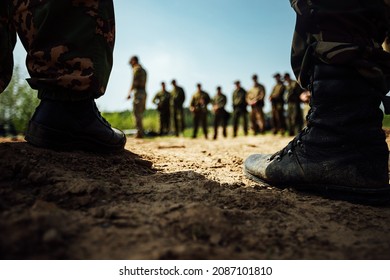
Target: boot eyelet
[(290, 153), (278, 158)]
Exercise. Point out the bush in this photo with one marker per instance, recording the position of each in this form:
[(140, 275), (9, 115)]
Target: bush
[(17, 103)]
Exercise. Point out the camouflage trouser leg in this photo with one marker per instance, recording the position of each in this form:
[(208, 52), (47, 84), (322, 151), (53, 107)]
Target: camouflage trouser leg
[(139, 105), (69, 45), (7, 43)]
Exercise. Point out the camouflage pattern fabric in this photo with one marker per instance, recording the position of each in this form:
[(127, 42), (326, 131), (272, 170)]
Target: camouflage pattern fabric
[(69, 45), (7, 43), (319, 38)]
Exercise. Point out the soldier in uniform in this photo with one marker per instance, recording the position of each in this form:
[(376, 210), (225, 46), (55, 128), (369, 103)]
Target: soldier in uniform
[(198, 107), (220, 114), (277, 103), (294, 110), (337, 54), (239, 108), (255, 99), (138, 86), (177, 101), (162, 100), (69, 62)]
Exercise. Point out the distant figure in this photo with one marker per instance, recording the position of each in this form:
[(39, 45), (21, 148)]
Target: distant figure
[(255, 99), (277, 103), (198, 107), (139, 99), (305, 98), (239, 108), (177, 100), (294, 110), (162, 100), (220, 114)]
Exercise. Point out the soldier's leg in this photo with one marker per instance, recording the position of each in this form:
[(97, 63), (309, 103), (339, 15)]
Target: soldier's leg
[(342, 153), (260, 119), (224, 120), (182, 120), (162, 124), (196, 124), (205, 124), (282, 120), (69, 48), (245, 117), (216, 124), (139, 108), (176, 121), (274, 120), (168, 122), (290, 119), (235, 122), (7, 44), (252, 117)]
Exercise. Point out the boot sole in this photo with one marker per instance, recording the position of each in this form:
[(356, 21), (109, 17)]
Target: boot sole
[(369, 196), (45, 137)]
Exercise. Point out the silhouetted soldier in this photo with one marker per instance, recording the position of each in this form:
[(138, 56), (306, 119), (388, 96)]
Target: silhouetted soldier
[(255, 99), (177, 100), (162, 100), (277, 103), (294, 110), (239, 108), (198, 107), (220, 114)]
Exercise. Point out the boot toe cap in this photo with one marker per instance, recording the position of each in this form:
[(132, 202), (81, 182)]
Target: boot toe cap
[(255, 167)]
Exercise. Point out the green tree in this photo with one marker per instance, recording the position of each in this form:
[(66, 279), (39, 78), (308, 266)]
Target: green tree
[(17, 102)]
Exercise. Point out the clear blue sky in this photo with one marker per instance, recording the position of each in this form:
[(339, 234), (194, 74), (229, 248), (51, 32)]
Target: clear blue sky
[(214, 42)]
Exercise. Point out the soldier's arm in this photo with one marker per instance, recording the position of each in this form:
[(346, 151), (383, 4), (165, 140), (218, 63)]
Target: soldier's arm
[(207, 101), (156, 99)]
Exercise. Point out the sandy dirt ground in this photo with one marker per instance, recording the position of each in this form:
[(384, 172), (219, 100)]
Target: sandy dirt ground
[(172, 198)]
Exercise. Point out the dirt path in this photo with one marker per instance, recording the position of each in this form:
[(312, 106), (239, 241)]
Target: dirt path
[(172, 199)]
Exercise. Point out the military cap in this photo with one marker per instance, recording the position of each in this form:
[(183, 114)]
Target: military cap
[(277, 75)]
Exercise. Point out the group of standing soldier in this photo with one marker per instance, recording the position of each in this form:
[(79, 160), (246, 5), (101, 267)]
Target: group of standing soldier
[(170, 106), (167, 103), (286, 91), (164, 100)]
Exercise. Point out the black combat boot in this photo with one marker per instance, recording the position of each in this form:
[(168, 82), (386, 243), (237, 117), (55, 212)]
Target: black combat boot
[(73, 125), (342, 153)]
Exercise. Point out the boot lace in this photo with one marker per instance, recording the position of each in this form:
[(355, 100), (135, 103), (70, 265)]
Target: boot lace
[(291, 146)]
